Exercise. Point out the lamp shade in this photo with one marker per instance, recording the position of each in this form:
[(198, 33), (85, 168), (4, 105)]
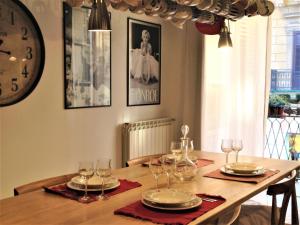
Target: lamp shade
[(99, 18), (225, 40), (210, 29)]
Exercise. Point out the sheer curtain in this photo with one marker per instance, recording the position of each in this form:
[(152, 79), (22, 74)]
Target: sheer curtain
[(233, 87)]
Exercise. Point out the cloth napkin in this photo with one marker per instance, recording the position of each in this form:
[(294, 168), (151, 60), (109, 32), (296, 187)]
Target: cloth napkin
[(62, 189), (256, 179), (138, 210)]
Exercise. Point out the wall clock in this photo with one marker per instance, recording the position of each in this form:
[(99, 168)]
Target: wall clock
[(22, 52)]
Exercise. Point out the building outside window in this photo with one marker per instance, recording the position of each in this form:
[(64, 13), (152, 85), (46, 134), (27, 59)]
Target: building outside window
[(283, 124)]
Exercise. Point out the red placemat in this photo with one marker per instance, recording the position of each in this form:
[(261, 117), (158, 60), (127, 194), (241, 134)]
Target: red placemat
[(138, 210), (204, 162), (257, 179), (63, 190)]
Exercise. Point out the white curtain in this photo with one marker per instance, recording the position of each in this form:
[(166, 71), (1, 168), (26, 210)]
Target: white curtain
[(234, 87)]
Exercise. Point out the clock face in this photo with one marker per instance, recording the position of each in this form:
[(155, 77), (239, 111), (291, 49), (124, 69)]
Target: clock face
[(22, 52)]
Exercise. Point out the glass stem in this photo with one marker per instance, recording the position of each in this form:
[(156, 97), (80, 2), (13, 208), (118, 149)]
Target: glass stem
[(227, 157), (156, 183), (85, 188), (102, 187), (168, 180), (237, 157)]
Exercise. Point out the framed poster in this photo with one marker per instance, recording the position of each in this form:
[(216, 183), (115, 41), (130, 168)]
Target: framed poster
[(143, 63), (87, 58)]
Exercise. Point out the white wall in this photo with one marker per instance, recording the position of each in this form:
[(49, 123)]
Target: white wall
[(40, 139)]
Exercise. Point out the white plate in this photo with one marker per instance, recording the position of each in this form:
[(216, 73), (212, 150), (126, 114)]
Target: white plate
[(78, 188), (192, 204), (95, 182), (243, 167), (168, 196), (231, 172)]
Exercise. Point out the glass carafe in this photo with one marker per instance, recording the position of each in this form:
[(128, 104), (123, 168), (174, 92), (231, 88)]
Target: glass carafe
[(185, 169)]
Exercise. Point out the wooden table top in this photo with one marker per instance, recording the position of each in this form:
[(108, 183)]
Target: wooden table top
[(40, 208)]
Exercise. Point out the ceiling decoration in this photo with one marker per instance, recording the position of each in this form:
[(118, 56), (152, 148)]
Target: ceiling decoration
[(208, 15)]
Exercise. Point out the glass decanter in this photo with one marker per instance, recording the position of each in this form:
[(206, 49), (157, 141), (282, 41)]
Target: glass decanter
[(185, 169)]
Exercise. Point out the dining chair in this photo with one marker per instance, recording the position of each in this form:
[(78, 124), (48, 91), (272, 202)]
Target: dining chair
[(264, 215), (141, 160), (37, 185)]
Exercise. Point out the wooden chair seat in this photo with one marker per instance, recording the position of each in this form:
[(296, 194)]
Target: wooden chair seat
[(37, 185), (264, 215), (141, 160)]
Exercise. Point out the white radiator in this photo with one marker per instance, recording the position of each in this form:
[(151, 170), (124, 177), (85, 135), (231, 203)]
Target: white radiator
[(146, 138)]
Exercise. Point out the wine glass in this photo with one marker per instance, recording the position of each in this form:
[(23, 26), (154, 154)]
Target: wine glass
[(86, 171), (226, 147), (237, 145), (168, 164), (103, 170), (189, 144), (176, 149), (156, 169)]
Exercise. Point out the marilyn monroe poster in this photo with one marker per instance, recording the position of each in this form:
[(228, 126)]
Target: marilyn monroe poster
[(143, 77)]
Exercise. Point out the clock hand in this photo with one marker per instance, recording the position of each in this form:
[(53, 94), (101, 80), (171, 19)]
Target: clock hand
[(5, 52)]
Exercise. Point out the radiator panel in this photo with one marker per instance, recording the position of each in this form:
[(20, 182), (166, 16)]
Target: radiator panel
[(146, 138)]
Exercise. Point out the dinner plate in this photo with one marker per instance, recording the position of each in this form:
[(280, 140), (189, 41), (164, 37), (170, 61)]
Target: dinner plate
[(168, 196), (243, 167), (231, 172), (94, 183), (76, 187), (189, 205)]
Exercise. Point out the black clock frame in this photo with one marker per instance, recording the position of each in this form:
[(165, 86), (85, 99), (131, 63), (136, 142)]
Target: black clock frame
[(42, 53)]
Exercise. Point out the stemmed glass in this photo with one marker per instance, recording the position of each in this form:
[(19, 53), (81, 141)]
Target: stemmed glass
[(237, 145), (156, 169), (226, 147), (86, 171), (168, 164), (188, 144), (103, 170), (176, 149)]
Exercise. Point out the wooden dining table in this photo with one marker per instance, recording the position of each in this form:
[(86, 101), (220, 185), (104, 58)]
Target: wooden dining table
[(42, 208)]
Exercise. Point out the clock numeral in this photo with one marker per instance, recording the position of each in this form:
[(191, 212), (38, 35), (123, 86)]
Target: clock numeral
[(12, 18), (24, 33), (0, 90), (14, 84), (25, 71), (29, 53)]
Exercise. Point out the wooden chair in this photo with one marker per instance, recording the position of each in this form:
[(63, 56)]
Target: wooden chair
[(141, 160), (37, 185), (260, 214)]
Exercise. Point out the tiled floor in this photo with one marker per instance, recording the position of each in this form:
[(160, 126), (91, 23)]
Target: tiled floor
[(264, 199)]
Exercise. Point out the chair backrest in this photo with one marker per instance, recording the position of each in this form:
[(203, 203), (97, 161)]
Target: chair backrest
[(34, 186), (287, 188), (141, 160)]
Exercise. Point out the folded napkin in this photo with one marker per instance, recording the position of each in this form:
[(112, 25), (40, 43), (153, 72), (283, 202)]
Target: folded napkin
[(138, 210), (256, 179), (62, 189)]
